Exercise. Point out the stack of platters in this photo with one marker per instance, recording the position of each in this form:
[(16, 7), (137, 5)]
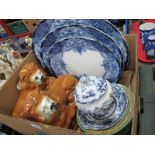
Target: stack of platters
[(81, 47), (103, 107)]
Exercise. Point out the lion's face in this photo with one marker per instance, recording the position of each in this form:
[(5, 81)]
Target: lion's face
[(31, 76), (46, 108), (37, 77)]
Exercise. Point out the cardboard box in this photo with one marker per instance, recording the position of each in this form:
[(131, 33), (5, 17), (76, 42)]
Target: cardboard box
[(9, 96)]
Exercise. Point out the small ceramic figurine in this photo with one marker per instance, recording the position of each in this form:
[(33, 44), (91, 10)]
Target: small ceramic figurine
[(30, 77), (9, 51), (62, 93), (25, 42), (9, 58), (46, 99), (54, 106)]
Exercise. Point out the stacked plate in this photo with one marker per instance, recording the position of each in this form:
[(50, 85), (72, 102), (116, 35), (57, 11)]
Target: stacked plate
[(103, 107), (81, 47)]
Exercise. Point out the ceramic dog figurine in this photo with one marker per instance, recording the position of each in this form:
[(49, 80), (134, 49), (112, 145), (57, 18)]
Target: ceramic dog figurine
[(61, 93), (54, 106), (30, 77), (46, 99)]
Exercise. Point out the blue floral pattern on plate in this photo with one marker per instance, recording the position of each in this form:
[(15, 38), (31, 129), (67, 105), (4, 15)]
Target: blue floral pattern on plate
[(83, 32), (41, 30), (45, 54), (88, 121), (102, 25), (81, 45)]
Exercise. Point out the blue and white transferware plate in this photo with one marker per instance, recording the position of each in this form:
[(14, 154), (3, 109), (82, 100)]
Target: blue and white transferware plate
[(102, 25), (82, 32), (114, 33), (93, 121), (81, 56), (40, 32)]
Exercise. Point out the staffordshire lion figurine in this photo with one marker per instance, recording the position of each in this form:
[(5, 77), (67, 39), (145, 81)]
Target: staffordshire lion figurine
[(54, 106), (31, 77), (48, 101)]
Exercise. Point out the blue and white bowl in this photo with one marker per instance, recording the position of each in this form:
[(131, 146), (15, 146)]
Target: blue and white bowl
[(98, 110)]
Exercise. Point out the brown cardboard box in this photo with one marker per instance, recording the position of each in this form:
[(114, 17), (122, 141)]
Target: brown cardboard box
[(9, 96)]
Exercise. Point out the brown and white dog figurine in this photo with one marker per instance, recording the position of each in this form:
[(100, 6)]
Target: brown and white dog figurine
[(31, 77), (54, 106), (46, 99)]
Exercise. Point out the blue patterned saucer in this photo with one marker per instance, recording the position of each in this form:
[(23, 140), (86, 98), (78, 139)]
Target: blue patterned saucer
[(93, 121), (103, 25), (82, 32), (81, 56)]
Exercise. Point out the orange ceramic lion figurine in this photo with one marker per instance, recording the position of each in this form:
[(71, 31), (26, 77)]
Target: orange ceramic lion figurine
[(54, 106), (50, 101), (62, 93), (31, 77)]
